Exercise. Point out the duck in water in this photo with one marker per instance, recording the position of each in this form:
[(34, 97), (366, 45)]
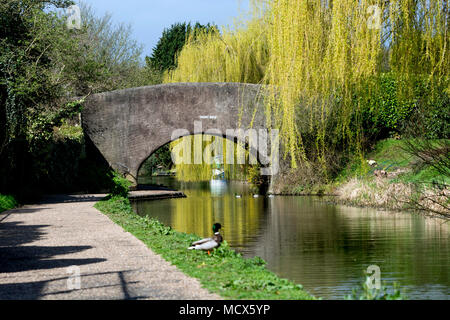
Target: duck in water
[(208, 244)]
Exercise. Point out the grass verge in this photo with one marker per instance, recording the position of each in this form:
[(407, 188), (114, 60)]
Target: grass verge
[(224, 272), (7, 203)]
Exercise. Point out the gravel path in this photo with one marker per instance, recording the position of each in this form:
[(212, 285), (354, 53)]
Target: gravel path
[(40, 243)]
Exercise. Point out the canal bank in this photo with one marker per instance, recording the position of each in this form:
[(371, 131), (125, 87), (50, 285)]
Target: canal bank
[(400, 175), (223, 272)]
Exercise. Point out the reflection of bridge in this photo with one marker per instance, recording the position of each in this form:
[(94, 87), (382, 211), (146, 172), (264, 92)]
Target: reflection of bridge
[(127, 126)]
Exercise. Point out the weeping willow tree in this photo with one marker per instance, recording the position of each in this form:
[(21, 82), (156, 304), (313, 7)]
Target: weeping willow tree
[(323, 61), (238, 54), (320, 53), (324, 54)]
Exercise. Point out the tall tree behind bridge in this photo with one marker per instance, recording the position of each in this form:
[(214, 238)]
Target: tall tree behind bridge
[(171, 42)]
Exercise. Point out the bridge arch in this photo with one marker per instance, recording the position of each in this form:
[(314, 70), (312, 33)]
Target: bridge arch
[(260, 158), (127, 126)]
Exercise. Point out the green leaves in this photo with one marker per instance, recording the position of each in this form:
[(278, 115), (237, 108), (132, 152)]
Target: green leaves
[(120, 186), (7, 203), (270, 284), (367, 293), (171, 42), (224, 251), (157, 227)]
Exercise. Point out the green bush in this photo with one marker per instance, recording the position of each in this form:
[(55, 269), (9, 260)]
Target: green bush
[(7, 203), (120, 186), (431, 119), (384, 110)]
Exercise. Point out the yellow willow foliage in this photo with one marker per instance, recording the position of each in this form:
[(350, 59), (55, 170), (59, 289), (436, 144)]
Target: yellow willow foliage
[(199, 164), (420, 35), (230, 56), (323, 50), (318, 51)]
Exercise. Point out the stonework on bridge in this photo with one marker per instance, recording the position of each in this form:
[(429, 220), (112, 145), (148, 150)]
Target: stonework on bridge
[(127, 126)]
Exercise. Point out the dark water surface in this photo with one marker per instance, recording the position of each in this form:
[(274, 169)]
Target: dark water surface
[(324, 247)]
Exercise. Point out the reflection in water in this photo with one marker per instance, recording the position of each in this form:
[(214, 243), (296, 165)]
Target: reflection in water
[(209, 203), (324, 247)]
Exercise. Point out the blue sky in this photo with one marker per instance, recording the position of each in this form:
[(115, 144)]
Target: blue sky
[(149, 17)]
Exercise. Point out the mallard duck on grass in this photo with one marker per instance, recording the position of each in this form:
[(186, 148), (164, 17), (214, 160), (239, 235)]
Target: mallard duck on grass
[(208, 244)]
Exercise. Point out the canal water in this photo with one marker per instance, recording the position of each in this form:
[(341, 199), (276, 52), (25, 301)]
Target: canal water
[(322, 246)]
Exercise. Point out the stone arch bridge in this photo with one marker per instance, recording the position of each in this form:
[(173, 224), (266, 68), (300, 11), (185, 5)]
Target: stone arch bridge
[(127, 126)]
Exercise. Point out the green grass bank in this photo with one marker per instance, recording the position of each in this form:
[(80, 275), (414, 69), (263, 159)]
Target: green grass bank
[(400, 175), (224, 272)]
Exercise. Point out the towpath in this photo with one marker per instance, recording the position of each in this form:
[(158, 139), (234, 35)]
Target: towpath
[(44, 247)]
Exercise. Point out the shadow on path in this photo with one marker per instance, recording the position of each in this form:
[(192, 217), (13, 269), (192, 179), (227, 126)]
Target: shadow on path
[(18, 259), (34, 290), (16, 256), (16, 233), (53, 199)]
